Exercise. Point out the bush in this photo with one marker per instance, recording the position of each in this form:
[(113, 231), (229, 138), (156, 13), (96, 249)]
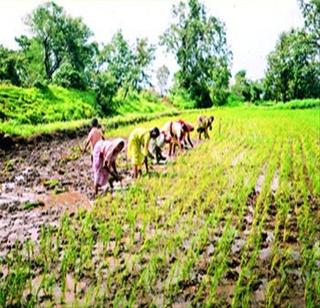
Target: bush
[(181, 99), (106, 88), (68, 77), (299, 104), (219, 96), (234, 100)]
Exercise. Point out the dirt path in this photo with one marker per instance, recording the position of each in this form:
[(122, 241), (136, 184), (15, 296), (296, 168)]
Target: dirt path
[(39, 183)]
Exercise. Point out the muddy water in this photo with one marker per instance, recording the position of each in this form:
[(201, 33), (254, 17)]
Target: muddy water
[(40, 181), (38, 184)]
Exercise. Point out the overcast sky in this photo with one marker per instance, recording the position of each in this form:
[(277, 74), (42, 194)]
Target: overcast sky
[(252, 26)]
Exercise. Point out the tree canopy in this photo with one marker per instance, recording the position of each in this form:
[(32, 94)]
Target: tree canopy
[(293, 70), (60, 50), (199, 44)]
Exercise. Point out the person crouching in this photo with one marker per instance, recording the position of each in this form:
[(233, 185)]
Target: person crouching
[(105, 154), (204, 124)]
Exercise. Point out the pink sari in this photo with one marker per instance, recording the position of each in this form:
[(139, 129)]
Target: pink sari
[(104, 153)]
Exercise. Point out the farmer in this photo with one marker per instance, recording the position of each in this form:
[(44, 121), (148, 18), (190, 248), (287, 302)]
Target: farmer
[(156, 146), (105, 154), (176, 132), (94, 136), (187, 129), (204, 123), (138, 148)]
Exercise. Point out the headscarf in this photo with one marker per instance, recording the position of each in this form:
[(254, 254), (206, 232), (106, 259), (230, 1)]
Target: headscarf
[(108, 150)]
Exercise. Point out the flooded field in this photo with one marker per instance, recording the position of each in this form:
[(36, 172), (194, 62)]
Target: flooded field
[(233, 222)]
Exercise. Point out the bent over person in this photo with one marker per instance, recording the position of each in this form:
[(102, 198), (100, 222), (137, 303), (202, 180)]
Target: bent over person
[(104, 161), (138, 148), (156, 146), (187, 129), (204, 123), (176, 132)]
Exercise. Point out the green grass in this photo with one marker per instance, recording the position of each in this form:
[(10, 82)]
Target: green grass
[(50, 104), (294, 104), (299, 104)]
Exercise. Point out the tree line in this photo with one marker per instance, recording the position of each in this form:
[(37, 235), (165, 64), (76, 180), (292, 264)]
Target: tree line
[(60, 50)]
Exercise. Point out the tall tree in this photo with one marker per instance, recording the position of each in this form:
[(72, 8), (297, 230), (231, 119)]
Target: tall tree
[(293, 68), (311, 13), (162, 76), (121, 66), (63, 39), (11, 66), (143, 57), (117, 59), (127, 64), (199, 43), (32, 54), (241, 86)]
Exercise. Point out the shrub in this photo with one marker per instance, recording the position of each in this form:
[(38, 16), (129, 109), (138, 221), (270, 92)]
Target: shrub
[(181, 99)]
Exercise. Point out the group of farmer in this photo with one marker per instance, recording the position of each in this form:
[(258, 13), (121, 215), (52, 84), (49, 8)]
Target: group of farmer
[(142, 143)]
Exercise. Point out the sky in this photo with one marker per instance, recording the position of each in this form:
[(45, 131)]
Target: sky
[(252, 26)]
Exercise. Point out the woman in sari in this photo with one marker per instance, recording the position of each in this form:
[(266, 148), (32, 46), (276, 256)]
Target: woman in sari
[(104, 161)]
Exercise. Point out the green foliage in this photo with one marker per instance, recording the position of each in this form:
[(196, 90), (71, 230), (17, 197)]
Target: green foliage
[(246, 90), (121, 67), (311, 13), (106, 88), (293, 68), (181, 99), (145, 102), (57, 40), (234, 100), (126, 64), (10, 65), (242, 86), (68, 77), (199, 43), (30, 111)]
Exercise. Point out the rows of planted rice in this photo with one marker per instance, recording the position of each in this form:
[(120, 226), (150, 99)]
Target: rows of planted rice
[(234, 221)]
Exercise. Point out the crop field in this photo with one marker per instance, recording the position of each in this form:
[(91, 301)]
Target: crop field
[(233, 222)]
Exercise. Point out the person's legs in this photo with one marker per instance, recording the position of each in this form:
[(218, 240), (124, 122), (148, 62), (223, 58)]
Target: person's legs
[(174, 148), (135, 171), (206, 133), (159, 154), (111, 180), (170, 148), (96, 189)]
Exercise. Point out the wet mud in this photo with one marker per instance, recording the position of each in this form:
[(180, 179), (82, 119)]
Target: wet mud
[(45, 177)]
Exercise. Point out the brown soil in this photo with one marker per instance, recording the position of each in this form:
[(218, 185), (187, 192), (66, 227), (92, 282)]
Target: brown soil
[(43, 177)]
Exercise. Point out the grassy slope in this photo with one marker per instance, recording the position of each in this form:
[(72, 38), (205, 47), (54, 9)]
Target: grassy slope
[(25, 112), (35, 106)]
